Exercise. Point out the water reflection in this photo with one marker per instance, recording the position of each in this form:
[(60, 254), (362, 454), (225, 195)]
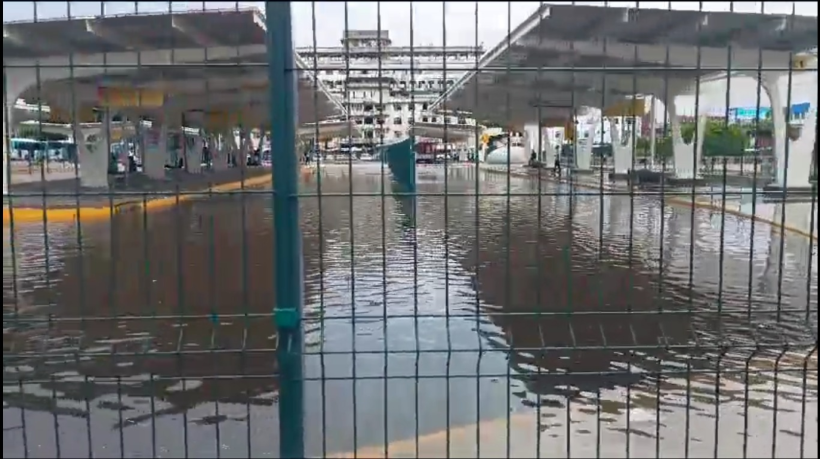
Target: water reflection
[(175, 352)]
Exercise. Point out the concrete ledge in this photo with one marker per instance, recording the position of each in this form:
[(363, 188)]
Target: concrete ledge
[(680, 202), (776, 193)]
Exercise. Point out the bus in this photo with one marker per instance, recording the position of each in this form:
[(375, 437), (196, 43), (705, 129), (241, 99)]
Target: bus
[(39, 150)]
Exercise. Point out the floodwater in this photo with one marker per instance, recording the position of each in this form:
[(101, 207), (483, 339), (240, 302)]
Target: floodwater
[(589, 330)]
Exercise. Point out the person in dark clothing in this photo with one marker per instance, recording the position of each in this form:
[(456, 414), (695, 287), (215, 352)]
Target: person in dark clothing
[(557, 166)]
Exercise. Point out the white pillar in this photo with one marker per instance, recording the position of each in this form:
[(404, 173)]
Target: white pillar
[(9, 123), (652, 129), (583, 147), (549, 154), (219, 152), (162, 144), (226, 150), (621, 154), (687, 157), (153, 154), (244, 145), (193, 155), (7, 134), (531, 140), (93, 152), (796, 173)]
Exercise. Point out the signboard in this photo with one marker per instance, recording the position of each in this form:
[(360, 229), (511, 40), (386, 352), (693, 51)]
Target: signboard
[(216, 120), (126, 97), (85, 115), (631, 107)]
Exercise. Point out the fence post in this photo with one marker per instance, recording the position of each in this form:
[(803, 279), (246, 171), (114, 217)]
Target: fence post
[(289, 279)]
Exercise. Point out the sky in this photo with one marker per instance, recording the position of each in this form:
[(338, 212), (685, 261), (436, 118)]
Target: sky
[(434, 23)]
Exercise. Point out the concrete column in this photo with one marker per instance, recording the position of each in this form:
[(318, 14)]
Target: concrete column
[(530, 140), (796, 172), (687, 157), (244, 146), (93, 151), (153, 153), (164, 153), (621, 153), (193, 155), (12, 92), (7, 134), (548, 157), (652, 130), (583, 147)]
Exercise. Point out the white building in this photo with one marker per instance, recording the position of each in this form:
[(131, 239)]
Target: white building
[(374, 80)]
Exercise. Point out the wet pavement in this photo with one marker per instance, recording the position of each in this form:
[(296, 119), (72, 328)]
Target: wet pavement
[(153, 336)]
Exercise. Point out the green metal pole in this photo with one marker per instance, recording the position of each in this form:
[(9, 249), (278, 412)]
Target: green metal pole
[(288, 251)]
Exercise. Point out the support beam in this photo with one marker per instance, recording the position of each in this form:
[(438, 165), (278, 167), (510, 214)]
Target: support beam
[(18, 37), (98, 28), (182, 24), (674, 28)]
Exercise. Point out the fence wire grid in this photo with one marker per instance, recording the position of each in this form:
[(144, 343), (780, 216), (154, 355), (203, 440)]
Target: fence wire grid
[(409, 229)]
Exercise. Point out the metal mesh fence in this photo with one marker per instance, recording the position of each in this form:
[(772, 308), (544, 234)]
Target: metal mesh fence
[(489, 229)]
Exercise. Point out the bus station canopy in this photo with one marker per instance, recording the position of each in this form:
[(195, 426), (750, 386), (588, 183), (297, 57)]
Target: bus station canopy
[(567, 56), (188, 61)]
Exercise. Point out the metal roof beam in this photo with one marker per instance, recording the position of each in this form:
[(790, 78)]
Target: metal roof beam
[(183, 25), (20, 38), (98, 28)]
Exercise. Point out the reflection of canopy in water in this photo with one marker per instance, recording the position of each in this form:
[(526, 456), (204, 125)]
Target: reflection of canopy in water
[(586, 284), (218, 355)]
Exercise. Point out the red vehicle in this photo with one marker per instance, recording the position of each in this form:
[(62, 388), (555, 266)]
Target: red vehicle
[(425, 152)]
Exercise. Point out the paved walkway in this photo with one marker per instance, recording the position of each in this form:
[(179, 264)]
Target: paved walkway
[(795, 217)]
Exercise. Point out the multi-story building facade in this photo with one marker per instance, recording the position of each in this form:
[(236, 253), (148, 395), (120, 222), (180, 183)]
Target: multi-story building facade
[(386, 88)]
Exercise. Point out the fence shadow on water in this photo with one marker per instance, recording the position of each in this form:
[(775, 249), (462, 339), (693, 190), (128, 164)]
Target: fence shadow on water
[(372, 309)]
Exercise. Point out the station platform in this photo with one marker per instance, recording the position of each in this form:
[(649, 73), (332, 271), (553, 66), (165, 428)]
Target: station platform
[(59, 197)]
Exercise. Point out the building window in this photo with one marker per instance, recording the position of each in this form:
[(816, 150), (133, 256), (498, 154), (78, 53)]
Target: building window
[(462, 120), (435, 120), (397, 120), (368, 120), (397, 107), (424, 106), (423, 119)]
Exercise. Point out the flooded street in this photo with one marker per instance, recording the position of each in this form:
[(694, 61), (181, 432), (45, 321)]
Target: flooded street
[(153, 335)]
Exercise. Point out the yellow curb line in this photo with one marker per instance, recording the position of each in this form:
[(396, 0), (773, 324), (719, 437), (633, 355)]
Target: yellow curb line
[(33, 214)]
